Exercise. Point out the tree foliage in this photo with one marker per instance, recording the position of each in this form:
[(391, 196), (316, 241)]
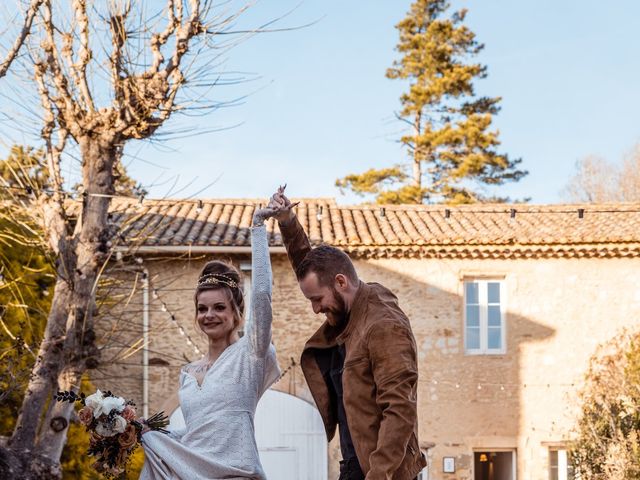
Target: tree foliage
[(596, 180), (607, 446), (26, 277), (453, 151)]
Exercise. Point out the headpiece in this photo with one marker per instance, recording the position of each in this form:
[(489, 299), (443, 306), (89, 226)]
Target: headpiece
[(217, 279)]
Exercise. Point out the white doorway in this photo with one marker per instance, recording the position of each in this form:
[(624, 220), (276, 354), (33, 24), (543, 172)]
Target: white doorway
[(290, 437)]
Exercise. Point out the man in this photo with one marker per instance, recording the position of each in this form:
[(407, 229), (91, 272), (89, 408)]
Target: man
[(361, 363)]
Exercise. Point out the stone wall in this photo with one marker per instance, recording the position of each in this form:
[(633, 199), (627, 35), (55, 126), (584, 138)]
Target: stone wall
[(557, 311)]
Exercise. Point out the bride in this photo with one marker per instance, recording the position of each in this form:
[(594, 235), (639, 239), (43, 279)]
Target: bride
[(220, 392)]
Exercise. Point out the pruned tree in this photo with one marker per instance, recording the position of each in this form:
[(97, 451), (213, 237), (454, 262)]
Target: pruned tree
[(607, 443), (104, 74), (453, 151), (597, 180), (21, 36)]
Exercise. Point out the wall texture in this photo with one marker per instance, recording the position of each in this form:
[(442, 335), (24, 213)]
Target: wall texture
[(556, 312)]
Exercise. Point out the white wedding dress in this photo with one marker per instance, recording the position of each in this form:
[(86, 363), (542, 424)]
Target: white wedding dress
[(219, 441)]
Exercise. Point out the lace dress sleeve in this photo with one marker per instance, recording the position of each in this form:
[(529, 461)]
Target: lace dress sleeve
[(259, 330)]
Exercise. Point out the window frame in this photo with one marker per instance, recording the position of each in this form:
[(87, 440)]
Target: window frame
[(562, 467), (483, 304)]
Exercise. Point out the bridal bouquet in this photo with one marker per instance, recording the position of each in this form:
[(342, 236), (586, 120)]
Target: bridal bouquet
[(115, 432)]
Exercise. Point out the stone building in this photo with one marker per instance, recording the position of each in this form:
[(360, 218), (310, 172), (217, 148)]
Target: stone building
[(507, 304)]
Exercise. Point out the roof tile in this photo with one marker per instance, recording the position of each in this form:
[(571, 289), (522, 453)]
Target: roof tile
[(485, 231)]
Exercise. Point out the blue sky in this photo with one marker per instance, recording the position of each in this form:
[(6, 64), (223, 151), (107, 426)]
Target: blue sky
[(321, 107)]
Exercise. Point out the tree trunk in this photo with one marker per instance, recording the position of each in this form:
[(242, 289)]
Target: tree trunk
[(27, 466), (417, 158), (68, 347), (44, 372), (51, 352), (91, 252), (417, 173)]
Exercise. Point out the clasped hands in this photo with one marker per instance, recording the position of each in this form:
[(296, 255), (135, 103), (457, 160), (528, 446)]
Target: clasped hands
[(279, 207)]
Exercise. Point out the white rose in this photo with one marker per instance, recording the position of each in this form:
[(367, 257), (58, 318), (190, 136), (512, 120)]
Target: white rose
[(120, 425), (112, 403), (95, 403)]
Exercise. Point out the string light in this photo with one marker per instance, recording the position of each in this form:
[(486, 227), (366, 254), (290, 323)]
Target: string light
[(291, 366), (447, 212), (174, 320), (502, 386)]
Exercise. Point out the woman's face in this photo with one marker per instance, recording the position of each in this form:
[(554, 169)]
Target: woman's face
[(215, 314)]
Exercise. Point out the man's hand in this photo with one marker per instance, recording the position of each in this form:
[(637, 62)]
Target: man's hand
[(282, 206)]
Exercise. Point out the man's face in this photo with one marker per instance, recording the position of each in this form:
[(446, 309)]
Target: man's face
[(324, 299)]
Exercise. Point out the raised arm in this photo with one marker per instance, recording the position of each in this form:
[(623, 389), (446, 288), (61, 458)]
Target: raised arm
[(295, 240), (259, 331), (293, 235)]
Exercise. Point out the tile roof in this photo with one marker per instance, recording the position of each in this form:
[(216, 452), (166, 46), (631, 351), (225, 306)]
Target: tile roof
[(470, 231)]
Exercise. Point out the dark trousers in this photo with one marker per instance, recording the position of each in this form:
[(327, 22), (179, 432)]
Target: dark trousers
[(350, 470), (352, 475)]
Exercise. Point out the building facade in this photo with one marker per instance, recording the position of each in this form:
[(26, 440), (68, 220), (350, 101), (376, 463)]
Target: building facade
[(507, 304)]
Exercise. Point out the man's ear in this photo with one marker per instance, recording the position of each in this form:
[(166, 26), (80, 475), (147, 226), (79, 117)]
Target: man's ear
[(341, 281)]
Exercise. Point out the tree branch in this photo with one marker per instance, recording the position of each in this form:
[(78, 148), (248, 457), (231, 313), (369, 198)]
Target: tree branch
[(80, 69), (34, 6)]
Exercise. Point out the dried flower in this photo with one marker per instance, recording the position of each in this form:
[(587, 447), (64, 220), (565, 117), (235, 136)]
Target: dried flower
[(129, 437), (86, 415), (129, 413)]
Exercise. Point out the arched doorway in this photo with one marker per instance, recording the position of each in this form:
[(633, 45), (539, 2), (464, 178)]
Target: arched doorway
[(290, 437)]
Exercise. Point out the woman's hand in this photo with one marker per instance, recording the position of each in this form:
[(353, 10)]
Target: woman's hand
[(260, 215), (145, 426)]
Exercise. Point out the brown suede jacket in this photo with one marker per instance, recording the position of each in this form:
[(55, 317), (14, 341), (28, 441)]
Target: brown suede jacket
[(379, 379)]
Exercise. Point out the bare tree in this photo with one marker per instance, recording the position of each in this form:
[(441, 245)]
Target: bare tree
[(630, 176), (103, 77), (598, 181), (13, 51)]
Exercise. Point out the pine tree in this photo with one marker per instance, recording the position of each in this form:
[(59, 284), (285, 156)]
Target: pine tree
[(452, 148)]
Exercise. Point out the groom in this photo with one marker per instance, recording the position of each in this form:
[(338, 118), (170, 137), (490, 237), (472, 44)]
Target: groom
[(361, 363)]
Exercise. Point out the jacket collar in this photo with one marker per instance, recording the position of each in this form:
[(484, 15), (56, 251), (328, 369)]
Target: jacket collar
[(358, 309)]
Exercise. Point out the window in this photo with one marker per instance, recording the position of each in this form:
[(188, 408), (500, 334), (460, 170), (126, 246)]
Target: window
[(559, 465), (484, 331)]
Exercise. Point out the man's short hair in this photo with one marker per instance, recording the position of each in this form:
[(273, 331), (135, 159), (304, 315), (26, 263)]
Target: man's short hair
[(327, 262)]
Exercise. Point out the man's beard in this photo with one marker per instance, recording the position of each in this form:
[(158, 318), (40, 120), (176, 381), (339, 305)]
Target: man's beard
[(337, 316)]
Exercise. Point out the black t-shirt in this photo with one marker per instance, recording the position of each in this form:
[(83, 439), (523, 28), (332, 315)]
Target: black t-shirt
[(335, 375)]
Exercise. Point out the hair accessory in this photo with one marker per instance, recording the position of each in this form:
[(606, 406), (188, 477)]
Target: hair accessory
[(217, 279)]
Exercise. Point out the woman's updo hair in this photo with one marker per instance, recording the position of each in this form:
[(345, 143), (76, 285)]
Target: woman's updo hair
[(219, 275)]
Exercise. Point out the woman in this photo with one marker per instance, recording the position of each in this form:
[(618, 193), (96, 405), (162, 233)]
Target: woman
[(220, 392)]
